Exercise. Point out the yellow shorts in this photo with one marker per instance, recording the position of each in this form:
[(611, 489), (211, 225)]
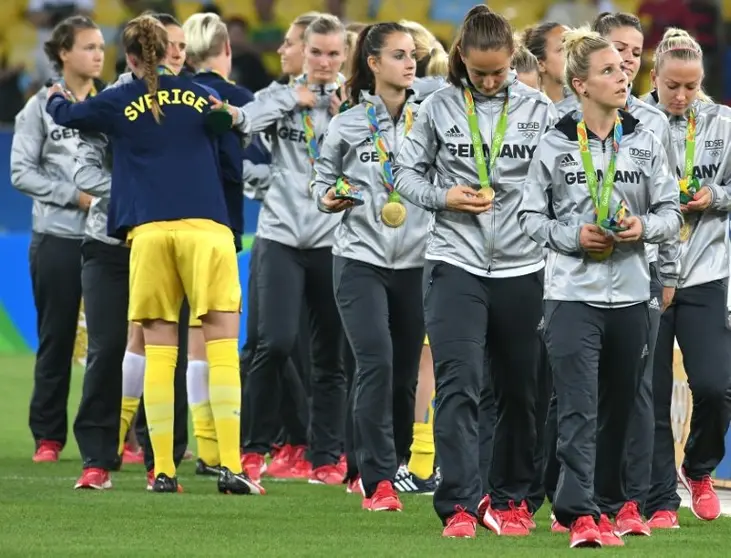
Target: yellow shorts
[(192, 322), (426, 340), (193, 257)]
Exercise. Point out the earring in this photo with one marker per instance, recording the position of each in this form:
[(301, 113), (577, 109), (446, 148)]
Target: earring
[(585, 93)]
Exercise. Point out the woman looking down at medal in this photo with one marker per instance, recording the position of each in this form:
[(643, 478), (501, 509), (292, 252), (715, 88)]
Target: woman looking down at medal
[(624, 31), (481, 270), (697, 316), (379, 247), (597, 279), (294, 259), (181, 243)]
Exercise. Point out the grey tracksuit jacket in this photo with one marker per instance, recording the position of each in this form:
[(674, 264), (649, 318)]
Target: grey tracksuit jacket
[(491, 244), (704, 257), (41, 166), (348, 151), (651, 118), (556, 203)]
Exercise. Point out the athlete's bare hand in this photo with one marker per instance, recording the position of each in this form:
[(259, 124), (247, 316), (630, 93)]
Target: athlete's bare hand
[(333, 204), (305, 97), (465, 199), (218, 104), (634, 230), (701, 200), (57, 88), (668, 294), (594, 239), (85, 201)]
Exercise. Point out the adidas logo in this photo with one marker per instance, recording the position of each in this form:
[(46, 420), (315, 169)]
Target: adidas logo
[(645, 352), (568, 161), (541, 324), (654, 304), (454, 132)]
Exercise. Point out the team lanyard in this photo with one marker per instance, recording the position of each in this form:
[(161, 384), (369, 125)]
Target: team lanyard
[(382, 149), (313, 147), (497, 138), (165, 71), (601, 200), (689, 146)]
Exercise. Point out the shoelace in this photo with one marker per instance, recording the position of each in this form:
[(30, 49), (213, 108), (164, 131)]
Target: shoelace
[(704, 487), (459, 516), (512, 514), (629, 509)]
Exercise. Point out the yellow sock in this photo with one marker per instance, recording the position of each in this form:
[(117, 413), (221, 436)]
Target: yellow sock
[(129, 410), (225, 390), (421, 462), (159, 404), (204, 430)]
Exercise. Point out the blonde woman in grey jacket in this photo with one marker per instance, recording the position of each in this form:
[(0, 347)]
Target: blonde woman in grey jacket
[(294, 259), (599, 187), (379, 248), (481, 271), (41, 166), (624, 31), (697, 318)]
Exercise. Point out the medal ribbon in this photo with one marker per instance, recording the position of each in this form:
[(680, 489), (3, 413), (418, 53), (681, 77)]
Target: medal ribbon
[(382, 149), (313, 147), (72, 98), (689, 147), (497, 138), (601, 200)]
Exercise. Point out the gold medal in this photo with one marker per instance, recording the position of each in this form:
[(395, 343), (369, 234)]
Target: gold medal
[(487, 193), (393, 214), (601, 256), (685, 231)]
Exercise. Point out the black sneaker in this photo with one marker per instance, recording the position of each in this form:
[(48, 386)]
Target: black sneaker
[(230, 483), (407, 482), (163, 483), (202, 468)]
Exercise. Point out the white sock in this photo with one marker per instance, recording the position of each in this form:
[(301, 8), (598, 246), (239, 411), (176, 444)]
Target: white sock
[(197, 381), (133, 375)]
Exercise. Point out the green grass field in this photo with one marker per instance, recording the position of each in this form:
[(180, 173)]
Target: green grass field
[(41, 515)]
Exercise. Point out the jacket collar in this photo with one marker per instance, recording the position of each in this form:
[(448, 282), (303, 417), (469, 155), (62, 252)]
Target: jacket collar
[(381, 110), (567, 125), (324, 89)]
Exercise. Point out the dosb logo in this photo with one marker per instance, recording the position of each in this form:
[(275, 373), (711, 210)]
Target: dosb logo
[(714, 144), (528, 126), (636, 153)]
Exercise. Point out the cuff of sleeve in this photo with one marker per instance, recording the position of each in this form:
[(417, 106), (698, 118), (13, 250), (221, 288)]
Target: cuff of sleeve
[(643, 220), (669, 281), (441, 199), (577, 239), (715, 195)]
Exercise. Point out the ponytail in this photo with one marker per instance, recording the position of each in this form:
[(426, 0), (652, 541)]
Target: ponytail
[(146, 39)]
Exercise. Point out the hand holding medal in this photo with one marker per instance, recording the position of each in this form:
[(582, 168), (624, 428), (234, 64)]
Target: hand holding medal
[(340, 197), (344, 190)]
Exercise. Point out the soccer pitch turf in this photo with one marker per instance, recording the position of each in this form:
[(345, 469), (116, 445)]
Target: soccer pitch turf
[(41, 514)]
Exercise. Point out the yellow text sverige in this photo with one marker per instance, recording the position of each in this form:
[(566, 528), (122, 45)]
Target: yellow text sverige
[(165, 97)]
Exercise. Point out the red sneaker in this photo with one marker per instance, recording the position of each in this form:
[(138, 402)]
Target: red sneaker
[(301, 468), (664, 519), (703, 498), (384, 498), (629, 521), (508, 522), (585, 533), (461, 525), (526, 517), (556, 527), (151, 481), (607, 532), (47, 452), (253, 465), (326, 474), (355, 486), (482, 508), (95, 479), (281, 463), (131, 456)]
